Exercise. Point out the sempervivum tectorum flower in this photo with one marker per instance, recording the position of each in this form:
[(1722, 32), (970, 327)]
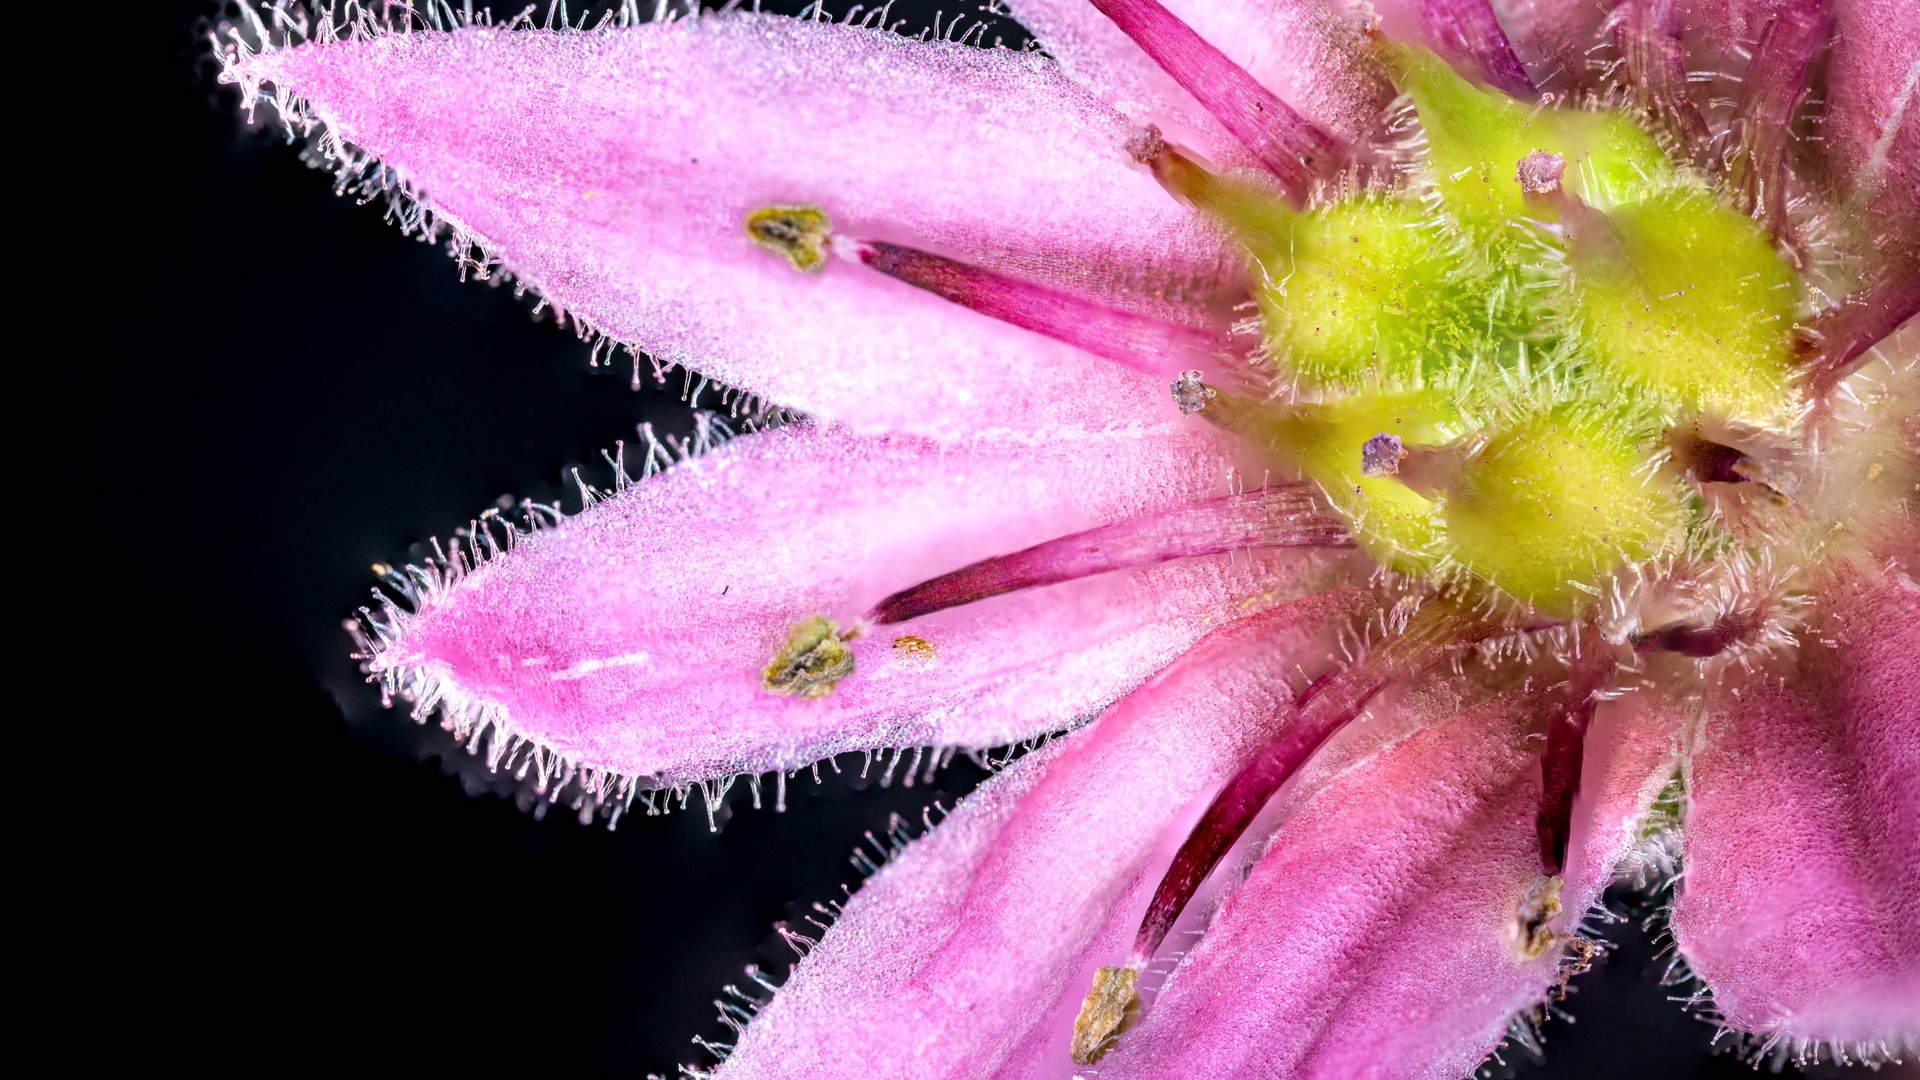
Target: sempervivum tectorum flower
[(1541, 446)]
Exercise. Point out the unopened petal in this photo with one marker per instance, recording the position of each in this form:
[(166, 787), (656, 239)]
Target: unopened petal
[(1376, 935), (613, 172), (967, 955), (1800, 902), (636, 636)]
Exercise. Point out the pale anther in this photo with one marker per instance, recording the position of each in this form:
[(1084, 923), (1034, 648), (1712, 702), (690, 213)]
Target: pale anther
[(811, 663), (1109, 1006), (1190, 393), (1539, 172), (1527, 931), (796, 233), (1382, 455)]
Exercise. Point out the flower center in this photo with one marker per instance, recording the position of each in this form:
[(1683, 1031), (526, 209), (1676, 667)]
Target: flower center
[(1482, 366)]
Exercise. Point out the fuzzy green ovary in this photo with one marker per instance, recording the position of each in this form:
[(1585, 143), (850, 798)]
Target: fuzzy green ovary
[(1683, 302), (1699, 314), (1556, 502), (1370, 292), (1655, 303)]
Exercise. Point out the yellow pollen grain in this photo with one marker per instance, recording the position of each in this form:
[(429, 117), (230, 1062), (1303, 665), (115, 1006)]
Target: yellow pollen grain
[(914, 647)]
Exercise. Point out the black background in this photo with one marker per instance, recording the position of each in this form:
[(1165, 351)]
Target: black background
[(279, 390)]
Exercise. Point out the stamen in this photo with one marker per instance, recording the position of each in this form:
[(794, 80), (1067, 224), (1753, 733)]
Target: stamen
[(1647, 33), (1560, 762), (1191, 394), (1286, 515), (1289, 146), (1141, 342), (1591, 238), (803, 235), (811, 663), (1776, 80), (1249, 211), (1429, 469), (1231, 412), (1837, 340), (1435, 631)]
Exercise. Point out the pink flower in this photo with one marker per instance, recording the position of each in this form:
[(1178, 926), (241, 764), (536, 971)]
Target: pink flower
[(1534, 501)]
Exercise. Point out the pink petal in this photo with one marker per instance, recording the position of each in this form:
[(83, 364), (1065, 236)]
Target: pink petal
[(968, 954), (1800, 902), (1554, 37), (1372, 936), (1311, 56), (613, 173), (631, 638), (1872, 127)]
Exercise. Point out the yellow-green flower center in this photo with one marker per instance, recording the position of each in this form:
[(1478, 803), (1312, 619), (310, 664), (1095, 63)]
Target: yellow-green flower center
[(1529, 314)]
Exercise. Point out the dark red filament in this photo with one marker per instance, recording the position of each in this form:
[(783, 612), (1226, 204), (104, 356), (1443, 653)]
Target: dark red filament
[(1286, 515), (1434, 633), (1698, 642), (1141, 342), (1292, 148), (1565, 752)]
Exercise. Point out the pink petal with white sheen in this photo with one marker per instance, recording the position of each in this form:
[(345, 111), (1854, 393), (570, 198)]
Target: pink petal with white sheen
[(1309, 54), (968, 954), (631, 637), (1872, 127), (1371, 938), (1800, 902), (613, 173)]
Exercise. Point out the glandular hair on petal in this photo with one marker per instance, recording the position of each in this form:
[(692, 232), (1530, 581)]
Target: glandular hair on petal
[(1109, 1007), (811, 663)]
